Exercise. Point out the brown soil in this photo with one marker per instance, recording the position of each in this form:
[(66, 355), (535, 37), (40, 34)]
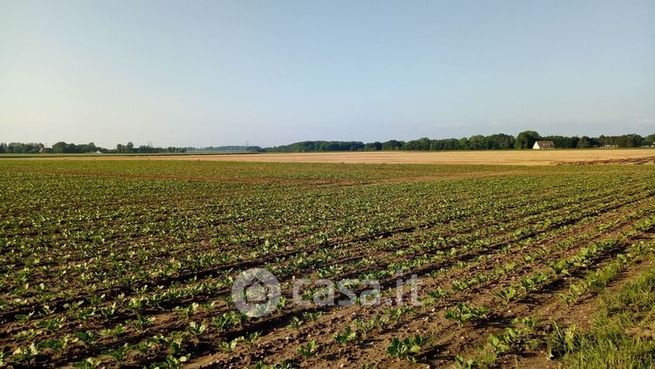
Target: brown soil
[(282, 342), (525, 157)]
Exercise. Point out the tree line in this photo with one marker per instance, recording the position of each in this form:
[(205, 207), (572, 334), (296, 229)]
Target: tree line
[(71, 148), (499, 141)]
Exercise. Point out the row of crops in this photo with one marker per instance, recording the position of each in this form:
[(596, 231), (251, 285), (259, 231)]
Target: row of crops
[(131, 263)]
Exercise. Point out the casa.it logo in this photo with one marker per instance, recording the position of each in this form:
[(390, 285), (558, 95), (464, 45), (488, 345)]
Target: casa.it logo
[(256, 292)]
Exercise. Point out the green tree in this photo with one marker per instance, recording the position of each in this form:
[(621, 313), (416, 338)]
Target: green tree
[(392, 145), (563, 142), (649, 140), (584, 142), (526, 139), (500, 141), (477, 142), (420, 144), (373, 146), (463, 143), (59, 147)]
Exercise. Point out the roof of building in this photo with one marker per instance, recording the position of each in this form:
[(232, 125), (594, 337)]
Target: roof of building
[(545, 144)]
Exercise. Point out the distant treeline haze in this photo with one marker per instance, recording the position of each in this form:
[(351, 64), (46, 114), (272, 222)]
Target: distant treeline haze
[(500, 141), (71, 148)]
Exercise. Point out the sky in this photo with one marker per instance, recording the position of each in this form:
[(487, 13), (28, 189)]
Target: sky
[(200, 73)]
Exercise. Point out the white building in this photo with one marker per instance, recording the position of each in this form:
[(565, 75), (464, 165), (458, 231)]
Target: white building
[(543, 145)]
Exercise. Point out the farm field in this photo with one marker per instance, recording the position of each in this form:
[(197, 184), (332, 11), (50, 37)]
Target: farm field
[(488, 157), (130, 263)]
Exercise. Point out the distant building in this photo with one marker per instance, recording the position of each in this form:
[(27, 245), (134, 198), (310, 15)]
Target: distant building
[(543, 145)]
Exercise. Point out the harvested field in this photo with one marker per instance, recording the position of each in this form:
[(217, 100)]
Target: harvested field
[(130, 263), (513, 157)]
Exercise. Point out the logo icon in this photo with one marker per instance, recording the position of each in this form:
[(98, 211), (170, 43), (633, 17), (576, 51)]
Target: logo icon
[(256, 292)]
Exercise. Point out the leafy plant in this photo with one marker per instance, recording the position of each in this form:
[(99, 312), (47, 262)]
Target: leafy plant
[(507, 294), (464, 312), (407, 348), (462, 363), (295, 322), (308, 349), (347, 335), (231, 345), (25, 354), (562, 341)]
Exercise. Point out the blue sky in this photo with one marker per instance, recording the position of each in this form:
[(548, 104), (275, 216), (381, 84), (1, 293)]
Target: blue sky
[(273, 72)]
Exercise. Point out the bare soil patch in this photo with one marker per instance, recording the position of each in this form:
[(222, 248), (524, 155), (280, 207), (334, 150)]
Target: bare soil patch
[(525, 157)]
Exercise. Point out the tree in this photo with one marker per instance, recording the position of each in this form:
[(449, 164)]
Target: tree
[(649, 140), (3, 148), (450, 144), (584, 142), (526, 139), (59, 147), (22, 148), (129, 147), (500, 141), (477, 142), (420, 144), (392, 145), (463, 143), (373, 146), (562, 142), (631, 140)]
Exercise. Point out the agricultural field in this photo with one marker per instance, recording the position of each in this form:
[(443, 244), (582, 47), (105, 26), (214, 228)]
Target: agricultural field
[(131, 263), (487, 157)]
